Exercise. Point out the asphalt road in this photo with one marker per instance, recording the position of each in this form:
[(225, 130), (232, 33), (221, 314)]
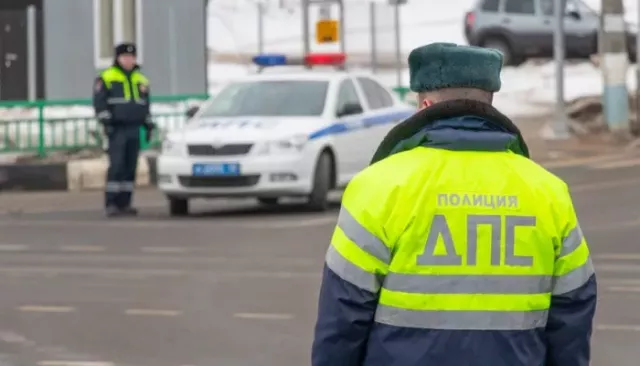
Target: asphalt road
[(236, 285)]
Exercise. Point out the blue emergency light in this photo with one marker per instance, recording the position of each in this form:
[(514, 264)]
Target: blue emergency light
[(312, 59), (270, 60)]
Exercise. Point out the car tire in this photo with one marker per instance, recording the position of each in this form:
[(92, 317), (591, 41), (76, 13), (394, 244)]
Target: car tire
[(318, 199), (178, 206), (268, 201), (509, 58)]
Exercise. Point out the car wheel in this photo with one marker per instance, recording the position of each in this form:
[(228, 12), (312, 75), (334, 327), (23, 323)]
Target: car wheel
[(268, 201), (501, 45), (318, 199), (178, 206)]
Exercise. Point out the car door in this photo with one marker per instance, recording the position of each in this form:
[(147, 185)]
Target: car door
[(580, 27), (527, 27), (380, 115), (348, 143)]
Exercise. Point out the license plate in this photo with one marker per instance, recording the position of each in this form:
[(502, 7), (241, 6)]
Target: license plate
[(203, 170)]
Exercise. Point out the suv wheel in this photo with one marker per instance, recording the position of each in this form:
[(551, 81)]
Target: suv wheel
[(501, 45)]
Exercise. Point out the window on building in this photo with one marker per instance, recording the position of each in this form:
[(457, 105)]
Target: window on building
[(116, 21), (129, 15), (105, 29)]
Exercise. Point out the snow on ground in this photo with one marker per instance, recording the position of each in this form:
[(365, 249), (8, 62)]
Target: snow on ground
[(527, 90), (233, 26)]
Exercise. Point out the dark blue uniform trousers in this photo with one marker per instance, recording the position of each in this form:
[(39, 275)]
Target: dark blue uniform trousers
[(124, 148)]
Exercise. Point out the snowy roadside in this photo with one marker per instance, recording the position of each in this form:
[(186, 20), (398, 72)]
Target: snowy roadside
[(526, 91)]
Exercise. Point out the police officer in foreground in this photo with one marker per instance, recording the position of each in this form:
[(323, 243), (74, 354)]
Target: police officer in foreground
[(121, 103), (453, 248)]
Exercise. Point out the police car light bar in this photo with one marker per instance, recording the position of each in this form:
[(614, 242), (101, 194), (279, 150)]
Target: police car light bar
[(312, 59), (336, 59)]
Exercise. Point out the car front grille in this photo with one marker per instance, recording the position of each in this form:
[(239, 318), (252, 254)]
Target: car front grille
[(224, 150), (219, 182)]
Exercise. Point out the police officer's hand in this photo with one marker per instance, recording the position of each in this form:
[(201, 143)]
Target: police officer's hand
[(150, 127), (107, 128)]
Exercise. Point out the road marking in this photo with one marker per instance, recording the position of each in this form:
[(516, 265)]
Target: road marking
[(583, 161), (263, 316), (618, 268), (615, 164), (621, 328), (46, 309), (603, 185), (13, 247), (74, 363), (290, 224), (618, 256), (623, 289), (82, 248), (164, 249), (152, 312)]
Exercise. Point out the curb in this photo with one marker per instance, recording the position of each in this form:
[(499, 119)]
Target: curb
[(74, 176)]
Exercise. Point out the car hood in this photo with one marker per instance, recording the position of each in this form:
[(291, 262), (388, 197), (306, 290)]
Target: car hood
[(249, 129)]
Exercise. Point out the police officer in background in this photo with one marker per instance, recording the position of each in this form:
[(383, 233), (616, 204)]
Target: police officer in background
[(121, 103), (453, 247)]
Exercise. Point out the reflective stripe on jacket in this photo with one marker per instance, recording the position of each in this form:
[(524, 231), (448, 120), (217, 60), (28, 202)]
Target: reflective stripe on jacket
[(464, 254), (122, 97)]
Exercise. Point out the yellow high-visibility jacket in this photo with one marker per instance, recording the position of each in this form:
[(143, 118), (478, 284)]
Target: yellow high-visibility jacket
[(456, 249)]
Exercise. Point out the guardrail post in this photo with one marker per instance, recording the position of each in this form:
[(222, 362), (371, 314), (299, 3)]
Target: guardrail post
[(42, 152)]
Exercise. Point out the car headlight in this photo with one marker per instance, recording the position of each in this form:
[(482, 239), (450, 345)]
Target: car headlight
[(291, 144), (170, 147)]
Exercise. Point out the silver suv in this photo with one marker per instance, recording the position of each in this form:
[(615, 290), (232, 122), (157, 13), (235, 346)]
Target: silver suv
[(522, 29)]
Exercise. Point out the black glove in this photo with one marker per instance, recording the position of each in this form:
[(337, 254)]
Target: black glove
[(107, 127), (150, 127)]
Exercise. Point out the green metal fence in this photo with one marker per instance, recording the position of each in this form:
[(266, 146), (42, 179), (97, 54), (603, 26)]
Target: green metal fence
[(43, 126), (53, 125)]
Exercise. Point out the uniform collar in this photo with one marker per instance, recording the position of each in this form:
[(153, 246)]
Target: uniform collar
[(456, 125)]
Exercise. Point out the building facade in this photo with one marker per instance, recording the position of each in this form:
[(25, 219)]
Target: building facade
[(75, 40)]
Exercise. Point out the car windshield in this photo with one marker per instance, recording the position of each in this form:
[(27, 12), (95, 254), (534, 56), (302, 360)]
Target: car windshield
[(276, 98)]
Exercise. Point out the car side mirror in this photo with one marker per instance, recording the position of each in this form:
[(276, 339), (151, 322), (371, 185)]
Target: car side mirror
[(574, 14), (350, 109), (192, 111)]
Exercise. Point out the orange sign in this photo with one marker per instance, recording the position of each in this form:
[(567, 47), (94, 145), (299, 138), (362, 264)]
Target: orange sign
[(327, 31)]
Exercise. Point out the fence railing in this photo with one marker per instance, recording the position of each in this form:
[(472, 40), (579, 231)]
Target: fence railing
[(50, 125), (43, 126)]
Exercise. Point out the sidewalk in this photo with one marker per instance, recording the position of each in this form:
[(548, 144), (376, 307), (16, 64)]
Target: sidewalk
[(543, 150)]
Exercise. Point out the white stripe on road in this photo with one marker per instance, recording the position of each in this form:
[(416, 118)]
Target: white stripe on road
[(263, 316), (618, 256), (153, 312), (82, 248), (617, 268), (13, 247), (628, 289), (46, 309), (617, 327), (163, 250), (615, 164), (74, 363)]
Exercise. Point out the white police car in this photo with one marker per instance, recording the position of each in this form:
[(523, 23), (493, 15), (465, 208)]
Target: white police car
[(272, 135)]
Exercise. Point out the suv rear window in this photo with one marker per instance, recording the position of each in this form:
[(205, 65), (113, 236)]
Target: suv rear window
[(520, 7), (490, 5)]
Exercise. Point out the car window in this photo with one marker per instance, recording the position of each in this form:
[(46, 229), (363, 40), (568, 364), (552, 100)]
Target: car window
[(276, 98), (520, 6), (490, 5), (347, 94), (376, 95), (547, 7)]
